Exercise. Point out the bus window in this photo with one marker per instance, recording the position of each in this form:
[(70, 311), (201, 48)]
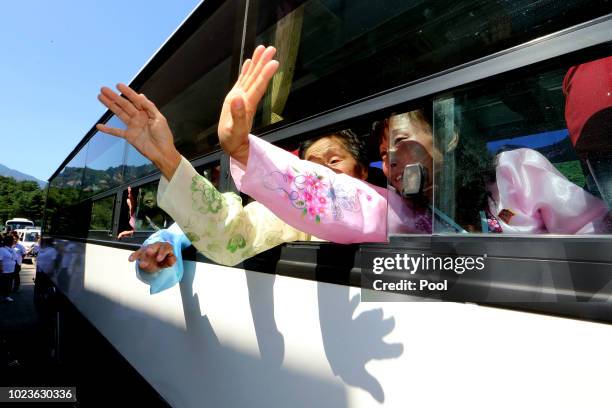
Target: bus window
[(407, 152), (137, 165), (63, 195), (528, 155), (149, 217), (101, 221), (344, 151), (140, 216), (104, 166), (361, 47)]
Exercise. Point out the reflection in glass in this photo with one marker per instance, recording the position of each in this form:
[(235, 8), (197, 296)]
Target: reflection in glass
[(102, 215), (63, 195), (410, 158), (137, 165), (407, 151), (508, 164), (127, 225), (104, 167), (360, 47), (139, 210)]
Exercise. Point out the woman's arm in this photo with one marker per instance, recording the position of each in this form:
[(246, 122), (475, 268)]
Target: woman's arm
[(311, 197), (216, 223)]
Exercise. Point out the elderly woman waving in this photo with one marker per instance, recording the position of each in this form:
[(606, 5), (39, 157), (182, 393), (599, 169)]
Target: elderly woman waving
[(326, 198)]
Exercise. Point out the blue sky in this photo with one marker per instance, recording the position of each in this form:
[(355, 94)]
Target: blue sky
[(55, 57)]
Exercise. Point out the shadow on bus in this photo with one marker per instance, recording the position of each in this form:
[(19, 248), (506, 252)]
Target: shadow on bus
[(221, 376), (192, 363), (192, 368), (188, 366), (270, 340), (350, 343)]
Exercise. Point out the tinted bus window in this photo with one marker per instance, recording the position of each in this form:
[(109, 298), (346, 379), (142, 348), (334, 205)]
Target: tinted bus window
[(529, 155), (143, 213), (189, 88), (104, 166), (136, 165), (101, 221), (140, 215), (333, 52), (64, 192)]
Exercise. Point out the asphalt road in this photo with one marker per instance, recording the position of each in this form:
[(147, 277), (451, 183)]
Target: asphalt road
[(26, 360), (23, 361)]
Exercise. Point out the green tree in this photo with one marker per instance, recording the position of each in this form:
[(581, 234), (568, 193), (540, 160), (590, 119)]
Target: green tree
[(20, 199)]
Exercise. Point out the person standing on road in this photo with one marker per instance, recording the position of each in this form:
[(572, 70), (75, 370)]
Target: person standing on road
[(20, 252), (7, 260)]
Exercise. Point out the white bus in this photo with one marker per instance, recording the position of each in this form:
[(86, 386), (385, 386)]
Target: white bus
[(287, 327), (18, 223)]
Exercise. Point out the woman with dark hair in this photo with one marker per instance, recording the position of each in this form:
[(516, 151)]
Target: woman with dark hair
[(330, 150)]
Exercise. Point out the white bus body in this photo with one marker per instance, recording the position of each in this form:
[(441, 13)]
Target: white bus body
[(228, 337)]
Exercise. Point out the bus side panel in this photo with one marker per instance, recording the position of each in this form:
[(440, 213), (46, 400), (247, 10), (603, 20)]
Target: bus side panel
[(233, 338)]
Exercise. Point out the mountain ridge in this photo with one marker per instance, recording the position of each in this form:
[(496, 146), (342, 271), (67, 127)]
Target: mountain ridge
[(19, 176)]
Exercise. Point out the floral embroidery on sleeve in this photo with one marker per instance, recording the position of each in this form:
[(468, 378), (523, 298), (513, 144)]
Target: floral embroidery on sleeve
[(205, 197), (236, 242), (314, 195), (218, 224)]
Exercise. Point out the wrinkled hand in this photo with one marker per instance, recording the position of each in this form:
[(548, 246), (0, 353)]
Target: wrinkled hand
[(151, 258), (146, 128), (241, 103)]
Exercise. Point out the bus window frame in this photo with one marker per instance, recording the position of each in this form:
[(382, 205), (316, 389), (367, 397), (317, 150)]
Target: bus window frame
[(101, 234)]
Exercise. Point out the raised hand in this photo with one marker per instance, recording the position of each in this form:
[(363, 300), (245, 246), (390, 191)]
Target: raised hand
[(241, 103), (147, 129), (151, 258)]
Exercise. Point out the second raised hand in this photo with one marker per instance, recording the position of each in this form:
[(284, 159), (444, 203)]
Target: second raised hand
[(146, 128), (241, 102)]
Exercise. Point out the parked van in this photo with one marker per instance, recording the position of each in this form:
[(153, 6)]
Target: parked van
[(29, 239)]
